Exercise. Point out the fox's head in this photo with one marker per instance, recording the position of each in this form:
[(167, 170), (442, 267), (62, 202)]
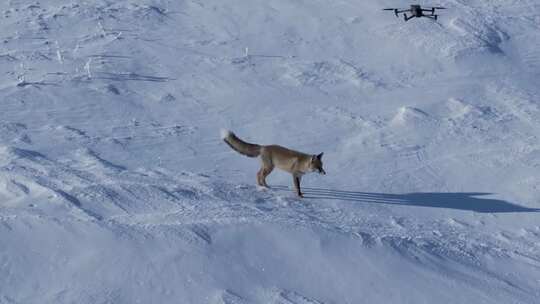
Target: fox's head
[(316, 164)]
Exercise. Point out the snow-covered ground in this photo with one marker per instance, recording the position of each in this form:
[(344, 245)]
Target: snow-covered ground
[(116, 188)]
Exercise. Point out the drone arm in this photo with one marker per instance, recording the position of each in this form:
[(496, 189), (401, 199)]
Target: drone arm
[(402, 11), (431, 16), (396, 10)]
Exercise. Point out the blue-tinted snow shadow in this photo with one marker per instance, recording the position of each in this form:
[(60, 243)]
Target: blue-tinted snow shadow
[(468, 201)]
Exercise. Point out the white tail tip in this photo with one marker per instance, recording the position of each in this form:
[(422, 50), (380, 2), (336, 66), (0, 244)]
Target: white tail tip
[(225, 133)]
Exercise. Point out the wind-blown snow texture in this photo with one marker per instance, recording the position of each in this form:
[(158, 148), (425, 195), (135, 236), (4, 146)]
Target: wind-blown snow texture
[(115, 186)]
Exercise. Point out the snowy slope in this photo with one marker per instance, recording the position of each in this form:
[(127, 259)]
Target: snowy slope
[(116, 188)]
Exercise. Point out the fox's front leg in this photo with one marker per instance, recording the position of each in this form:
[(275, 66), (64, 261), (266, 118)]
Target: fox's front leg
[(296, 180)]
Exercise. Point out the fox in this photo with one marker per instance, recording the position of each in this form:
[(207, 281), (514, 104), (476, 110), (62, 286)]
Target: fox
[(271, 156)]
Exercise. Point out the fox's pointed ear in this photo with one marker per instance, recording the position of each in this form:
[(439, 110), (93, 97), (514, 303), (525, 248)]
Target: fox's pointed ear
[(320, 155)]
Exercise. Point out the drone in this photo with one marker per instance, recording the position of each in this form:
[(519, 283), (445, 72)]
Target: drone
[(416, 11)]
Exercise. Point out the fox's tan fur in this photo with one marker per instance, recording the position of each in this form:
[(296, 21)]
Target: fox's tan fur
[(294, 162)]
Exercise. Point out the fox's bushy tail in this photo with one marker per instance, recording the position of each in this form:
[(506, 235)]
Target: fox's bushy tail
[(240, 146)]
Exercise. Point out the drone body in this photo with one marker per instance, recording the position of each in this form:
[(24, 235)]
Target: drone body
[(416, 11)]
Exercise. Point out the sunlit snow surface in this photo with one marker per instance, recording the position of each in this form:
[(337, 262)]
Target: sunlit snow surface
[(115, 186)]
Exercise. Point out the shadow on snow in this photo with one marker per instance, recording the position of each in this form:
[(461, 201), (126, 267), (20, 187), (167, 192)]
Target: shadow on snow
[(460, 201)]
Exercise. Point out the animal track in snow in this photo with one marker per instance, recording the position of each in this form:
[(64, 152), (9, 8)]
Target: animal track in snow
[(291, 297)]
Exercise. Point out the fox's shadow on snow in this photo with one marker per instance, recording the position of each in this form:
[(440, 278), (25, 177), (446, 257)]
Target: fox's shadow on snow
[(461, 201)]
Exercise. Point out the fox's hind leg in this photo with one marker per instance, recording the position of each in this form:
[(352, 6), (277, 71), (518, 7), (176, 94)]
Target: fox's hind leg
[(266, 168), (265, 172), (262, 174), (259, 177)]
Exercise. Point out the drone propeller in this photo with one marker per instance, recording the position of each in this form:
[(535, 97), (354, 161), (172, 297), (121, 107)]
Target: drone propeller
[(438, 7), (392, 9)]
